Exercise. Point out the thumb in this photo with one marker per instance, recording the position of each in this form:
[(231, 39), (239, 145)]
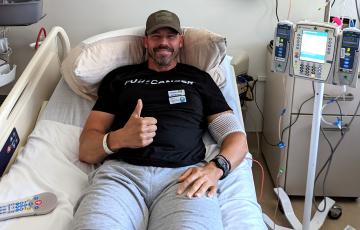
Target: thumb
[(138, 108)]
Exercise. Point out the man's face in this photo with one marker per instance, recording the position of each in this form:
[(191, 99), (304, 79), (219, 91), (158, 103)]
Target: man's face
[(163, 46)]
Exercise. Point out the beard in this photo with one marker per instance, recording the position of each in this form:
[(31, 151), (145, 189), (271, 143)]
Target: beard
[(163, 60)]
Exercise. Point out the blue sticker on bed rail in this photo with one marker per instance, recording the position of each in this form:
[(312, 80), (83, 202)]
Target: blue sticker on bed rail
[(8, 150)]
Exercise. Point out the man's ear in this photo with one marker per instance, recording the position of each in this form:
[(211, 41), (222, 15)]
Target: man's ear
[(181, 44)]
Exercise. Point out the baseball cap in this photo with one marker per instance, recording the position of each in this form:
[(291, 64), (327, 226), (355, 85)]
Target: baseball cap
[(160, 19)]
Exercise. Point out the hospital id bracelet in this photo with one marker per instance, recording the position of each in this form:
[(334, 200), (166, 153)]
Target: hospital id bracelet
[(105, 145), (38, 204)]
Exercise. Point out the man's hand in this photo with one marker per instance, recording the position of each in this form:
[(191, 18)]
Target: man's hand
[(199, 180), (138, 131)]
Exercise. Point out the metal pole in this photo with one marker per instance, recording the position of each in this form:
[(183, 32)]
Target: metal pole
[(314, 142), (327, 11)]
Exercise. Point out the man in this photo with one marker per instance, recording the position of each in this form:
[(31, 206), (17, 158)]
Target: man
[(147, 128)]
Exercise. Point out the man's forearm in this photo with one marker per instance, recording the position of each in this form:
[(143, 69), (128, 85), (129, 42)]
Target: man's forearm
[(234, 148), (91, 147)]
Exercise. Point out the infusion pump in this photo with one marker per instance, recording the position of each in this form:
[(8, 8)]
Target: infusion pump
[(347, 67), (282, 46), (317, 51), (314, 50)]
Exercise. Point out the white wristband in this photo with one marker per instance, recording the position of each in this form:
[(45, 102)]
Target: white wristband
[(105, 146)]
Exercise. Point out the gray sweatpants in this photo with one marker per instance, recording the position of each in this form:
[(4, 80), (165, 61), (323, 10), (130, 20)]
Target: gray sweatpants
[(125, 196)]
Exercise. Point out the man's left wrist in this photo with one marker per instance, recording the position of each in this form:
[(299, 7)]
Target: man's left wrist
[(222, 163), (219, 172)]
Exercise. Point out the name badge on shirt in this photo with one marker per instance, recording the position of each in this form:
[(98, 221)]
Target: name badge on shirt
[(177, 96)]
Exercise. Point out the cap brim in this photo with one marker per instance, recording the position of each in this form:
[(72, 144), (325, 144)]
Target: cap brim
[(149, 31)]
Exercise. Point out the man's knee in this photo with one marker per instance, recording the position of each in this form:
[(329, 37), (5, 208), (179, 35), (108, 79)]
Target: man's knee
[(110, 203)]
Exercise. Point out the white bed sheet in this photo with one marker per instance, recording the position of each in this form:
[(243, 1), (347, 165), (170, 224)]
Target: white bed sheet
[(49, 162), (46, 164)]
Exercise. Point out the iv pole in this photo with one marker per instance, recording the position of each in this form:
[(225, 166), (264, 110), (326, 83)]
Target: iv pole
[(319, 217), (314, 141)]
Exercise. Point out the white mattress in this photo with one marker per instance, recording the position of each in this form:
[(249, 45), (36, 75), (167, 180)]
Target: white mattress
[(49, 162)]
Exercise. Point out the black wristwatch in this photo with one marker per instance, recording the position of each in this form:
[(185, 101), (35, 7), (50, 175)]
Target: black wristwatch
[(222, 164)]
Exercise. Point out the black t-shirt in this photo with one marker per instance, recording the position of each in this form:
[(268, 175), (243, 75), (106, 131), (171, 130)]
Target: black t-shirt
[(180, 100)]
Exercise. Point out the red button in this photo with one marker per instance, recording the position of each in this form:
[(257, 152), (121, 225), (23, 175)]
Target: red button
[(38, 202)]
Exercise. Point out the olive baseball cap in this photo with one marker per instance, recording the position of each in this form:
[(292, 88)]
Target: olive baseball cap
[(160, 19)]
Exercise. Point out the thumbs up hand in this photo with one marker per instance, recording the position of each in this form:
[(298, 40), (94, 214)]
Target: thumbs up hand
[(138, 131), (138, 108)]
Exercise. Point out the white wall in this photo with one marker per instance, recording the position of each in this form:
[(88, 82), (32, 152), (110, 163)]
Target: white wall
[(346, 8), (247, 24)]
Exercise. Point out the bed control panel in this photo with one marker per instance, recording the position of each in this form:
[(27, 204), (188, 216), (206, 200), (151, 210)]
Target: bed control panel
[(38, 204), (8, 149)]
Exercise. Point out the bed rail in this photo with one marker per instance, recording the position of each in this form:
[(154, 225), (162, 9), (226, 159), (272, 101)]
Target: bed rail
[(21, 107)]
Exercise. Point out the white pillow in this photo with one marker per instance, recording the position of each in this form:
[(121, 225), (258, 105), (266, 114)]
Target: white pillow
[(87, 64), (205, 50)]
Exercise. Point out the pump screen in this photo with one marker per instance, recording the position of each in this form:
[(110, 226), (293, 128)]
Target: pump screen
[(283, 31), (313, 46), (350, 41)]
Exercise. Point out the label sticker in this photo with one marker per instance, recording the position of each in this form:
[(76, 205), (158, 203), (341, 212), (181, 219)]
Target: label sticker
[(175, 93), (176, 100), (177, 96)]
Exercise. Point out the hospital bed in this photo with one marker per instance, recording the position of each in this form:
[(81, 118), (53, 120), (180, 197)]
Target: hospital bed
[(48, 117)]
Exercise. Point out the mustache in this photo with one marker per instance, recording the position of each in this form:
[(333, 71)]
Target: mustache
[(162, 47)]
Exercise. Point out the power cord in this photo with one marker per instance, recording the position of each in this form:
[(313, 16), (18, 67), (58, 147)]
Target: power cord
[(328, 161), (262, 116), (276, 10), (357, 10), (297, 117), (282, 113)]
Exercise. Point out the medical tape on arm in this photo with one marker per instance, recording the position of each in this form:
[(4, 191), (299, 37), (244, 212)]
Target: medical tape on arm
[(224, 125)]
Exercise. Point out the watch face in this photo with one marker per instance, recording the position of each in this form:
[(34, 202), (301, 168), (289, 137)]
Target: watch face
[(223, 163)]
